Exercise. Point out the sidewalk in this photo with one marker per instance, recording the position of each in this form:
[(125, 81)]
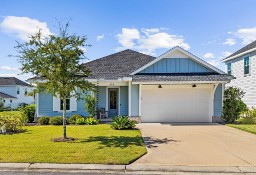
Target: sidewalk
[(135, 169)]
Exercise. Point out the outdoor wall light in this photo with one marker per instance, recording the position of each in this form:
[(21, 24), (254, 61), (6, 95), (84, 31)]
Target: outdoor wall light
[(193, 85), (159, 86)]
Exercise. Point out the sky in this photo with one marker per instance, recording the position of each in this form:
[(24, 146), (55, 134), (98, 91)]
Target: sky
[(209, 29)]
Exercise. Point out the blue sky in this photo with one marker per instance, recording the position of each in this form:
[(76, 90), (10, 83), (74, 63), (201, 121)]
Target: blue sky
[(209, 29)]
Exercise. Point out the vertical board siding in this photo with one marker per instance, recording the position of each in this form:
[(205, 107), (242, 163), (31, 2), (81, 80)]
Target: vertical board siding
[(102, 97), (218, 101), (176, 65), (135, 100), (124, 100), (246, 82)]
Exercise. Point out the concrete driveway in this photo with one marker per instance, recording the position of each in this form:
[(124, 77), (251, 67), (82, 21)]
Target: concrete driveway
[(197, 145)]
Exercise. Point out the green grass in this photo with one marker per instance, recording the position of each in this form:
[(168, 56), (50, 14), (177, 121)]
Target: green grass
[(96, 144), (247, 128)]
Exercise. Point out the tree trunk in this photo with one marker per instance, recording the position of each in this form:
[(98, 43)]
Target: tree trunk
[(64, 118)]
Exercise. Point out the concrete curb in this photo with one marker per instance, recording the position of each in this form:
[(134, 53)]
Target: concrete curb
[(126, 168)]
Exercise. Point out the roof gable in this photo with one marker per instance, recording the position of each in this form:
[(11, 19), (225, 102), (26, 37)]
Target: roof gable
[(5, 81), (179, 53)]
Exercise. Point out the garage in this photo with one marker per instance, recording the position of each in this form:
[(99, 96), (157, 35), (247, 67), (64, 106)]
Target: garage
[(176, 103)]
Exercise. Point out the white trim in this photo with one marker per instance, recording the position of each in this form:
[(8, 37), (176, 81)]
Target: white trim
[(222, 94), (110, 87), (129, 98), (193, 57), (212, 99), (37, 104), (140, 99), (178, 82), (238, 55)]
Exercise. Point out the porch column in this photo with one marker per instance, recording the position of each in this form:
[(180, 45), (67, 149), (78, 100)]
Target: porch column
[(129, 98), (140, 100)]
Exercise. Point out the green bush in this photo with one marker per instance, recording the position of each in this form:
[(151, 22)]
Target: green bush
[(44, 120), (56, 120), (90, 105), (12, 120), (122, 122), (29, 110), (73, 118), (80, 121), (91, 121), (246, 120), (1, 106)]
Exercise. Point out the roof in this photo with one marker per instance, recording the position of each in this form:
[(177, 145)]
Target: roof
[(244, 50), (12, 81), (181, 77), (190, 55), (3, 95), (118, 65)]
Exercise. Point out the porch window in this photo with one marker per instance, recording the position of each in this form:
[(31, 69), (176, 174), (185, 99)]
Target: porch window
[(246, 65), (67, 104), (113, 102), (229, 68)]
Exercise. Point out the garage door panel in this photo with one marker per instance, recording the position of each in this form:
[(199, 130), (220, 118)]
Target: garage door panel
[(175, 103)]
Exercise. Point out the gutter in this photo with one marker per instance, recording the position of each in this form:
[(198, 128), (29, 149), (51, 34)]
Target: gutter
[(238, 55)]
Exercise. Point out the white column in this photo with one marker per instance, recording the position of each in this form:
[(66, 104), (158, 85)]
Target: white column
[(37, 105), (140, 100), (213, 92), (129, 98)]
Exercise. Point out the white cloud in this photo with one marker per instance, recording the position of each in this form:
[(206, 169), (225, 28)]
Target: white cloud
[(230, 42), (225, 54), (214, 62), (149, 40), (23, 27), (100, 37), (8, 68), (209, 55), (247, 35)]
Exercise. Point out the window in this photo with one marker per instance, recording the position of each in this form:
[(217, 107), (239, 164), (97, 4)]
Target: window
[(4, 100), (113, 101), (18, 90), (229, 68), (67, 104), (246, 65), (26, 91), (10, 101)]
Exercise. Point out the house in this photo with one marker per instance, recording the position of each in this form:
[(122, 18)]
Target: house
[(242, 65), (174, 87), (14, 92)]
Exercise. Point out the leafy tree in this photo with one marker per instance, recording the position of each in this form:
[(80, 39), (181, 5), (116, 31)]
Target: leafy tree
[(55, 60), (233, 104), (90, 104)]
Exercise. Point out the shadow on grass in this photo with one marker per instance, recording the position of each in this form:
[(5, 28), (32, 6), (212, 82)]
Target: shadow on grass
[(153, 143), (114, 141)]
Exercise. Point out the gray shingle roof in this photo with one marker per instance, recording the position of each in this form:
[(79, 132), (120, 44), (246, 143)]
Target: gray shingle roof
[(117, 65), (181, 77), (244, 49), (12, 81), (3, 95)]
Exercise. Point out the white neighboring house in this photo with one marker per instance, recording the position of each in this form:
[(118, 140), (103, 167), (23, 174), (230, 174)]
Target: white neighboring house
[(242, 65), (14, 92)]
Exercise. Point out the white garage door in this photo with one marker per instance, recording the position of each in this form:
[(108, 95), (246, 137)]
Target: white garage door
[(176, 103)]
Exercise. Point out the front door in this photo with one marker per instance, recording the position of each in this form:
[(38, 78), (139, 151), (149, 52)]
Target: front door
[(112, 102)]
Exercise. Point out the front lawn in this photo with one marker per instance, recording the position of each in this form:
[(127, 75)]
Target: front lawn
[(96, 144), (247, 128)]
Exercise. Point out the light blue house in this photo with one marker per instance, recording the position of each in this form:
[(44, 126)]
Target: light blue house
[(174, 87)]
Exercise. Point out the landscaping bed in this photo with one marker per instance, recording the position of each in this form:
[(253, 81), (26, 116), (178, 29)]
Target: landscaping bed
[(98, 144)]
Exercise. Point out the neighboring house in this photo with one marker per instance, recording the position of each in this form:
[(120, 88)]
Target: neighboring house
[(242, 65), (174, 87), (13, 92)]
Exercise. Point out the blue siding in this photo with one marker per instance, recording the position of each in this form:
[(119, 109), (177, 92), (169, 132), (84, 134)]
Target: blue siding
[(46, 106), (176, 65), (10, 90), (135, 100), (123, 100), (102, 97), (218, 101)]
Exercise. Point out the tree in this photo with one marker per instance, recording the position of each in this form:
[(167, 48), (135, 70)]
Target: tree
[(233, 104), (55, 59)]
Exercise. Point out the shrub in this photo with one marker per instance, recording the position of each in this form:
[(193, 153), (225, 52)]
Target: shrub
[(29, 110), (90, 105), (233, 104), (44, 120), (73, 118), (1, 106), (246, 120), (91, 121), (80, 121), (122, 122), (12, 120), (56, 120)]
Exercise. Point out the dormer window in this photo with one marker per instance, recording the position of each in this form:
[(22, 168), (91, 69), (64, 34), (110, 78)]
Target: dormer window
[(246, 65), (229, 68), (18, 90)]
